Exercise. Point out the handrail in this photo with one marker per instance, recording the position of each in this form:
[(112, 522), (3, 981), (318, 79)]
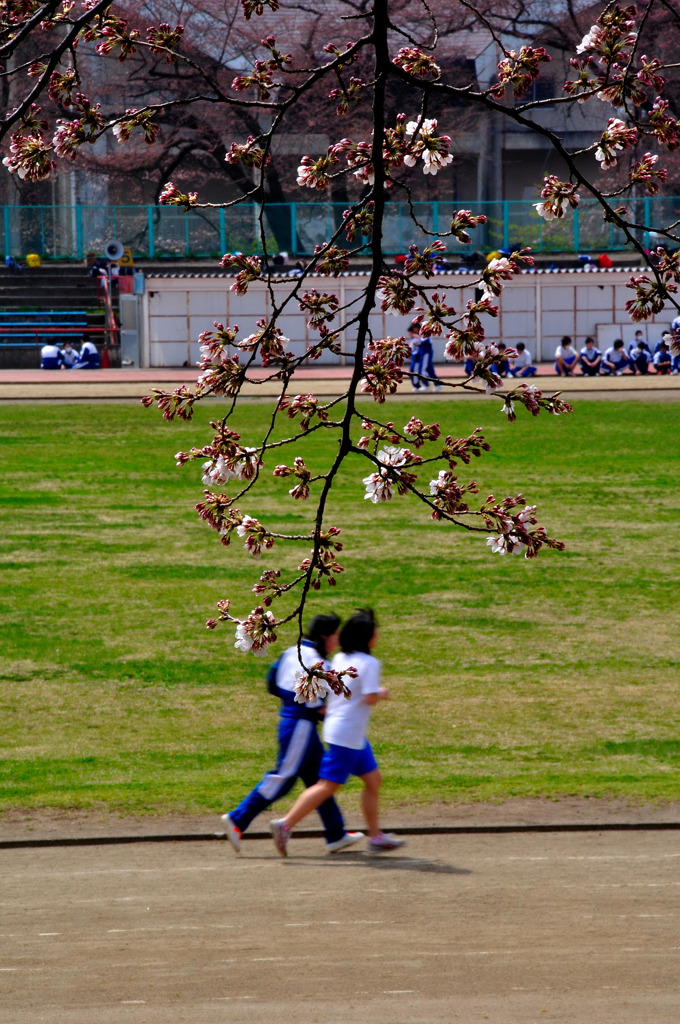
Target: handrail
[(39, 332)]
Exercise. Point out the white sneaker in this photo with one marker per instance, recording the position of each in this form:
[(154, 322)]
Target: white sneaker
[(415, 387), (349, 839), (384, 842), (280, 834), (232, 832), (437, 387)]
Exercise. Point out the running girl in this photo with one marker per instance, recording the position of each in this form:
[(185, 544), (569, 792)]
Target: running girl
[(344, 730)]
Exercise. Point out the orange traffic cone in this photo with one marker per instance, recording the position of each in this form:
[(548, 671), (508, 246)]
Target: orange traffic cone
[(106, 362)]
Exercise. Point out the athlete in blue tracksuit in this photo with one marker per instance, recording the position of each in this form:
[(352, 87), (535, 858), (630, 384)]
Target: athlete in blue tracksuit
[(300, 749)]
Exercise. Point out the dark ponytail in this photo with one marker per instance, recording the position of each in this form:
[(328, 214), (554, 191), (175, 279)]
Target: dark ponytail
[(358, 631), (320, 627)]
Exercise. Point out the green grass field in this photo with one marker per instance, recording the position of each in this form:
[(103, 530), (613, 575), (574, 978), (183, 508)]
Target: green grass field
[(551, 677)]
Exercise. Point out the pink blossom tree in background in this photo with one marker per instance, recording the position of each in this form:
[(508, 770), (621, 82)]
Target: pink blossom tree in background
[(381, 84)]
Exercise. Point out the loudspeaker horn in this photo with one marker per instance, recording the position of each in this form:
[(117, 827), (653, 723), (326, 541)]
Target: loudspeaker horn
[(113, 249)]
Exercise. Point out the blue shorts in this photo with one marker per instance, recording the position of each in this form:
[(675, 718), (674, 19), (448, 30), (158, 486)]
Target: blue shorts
[(338, 763)]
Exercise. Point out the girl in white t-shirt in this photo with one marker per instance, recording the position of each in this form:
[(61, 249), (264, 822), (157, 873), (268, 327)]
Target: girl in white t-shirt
[(344, 731)]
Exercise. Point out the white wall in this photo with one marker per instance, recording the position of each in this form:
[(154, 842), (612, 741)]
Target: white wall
[(537, 308)]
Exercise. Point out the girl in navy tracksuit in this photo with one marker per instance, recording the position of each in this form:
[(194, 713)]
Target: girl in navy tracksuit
[(300, 749)]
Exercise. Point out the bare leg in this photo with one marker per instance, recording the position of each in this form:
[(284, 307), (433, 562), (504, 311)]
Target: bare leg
[(369, 800), (310, 800)]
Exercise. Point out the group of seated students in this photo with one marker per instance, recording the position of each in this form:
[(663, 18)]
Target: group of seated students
[(54, 357), (520, 366), (637, 359)]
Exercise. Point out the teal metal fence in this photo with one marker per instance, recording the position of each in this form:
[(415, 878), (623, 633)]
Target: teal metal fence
[(61, 232)]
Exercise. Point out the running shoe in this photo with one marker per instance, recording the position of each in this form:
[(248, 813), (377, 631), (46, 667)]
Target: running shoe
[(280, 834), (233, 833), (349, 839), (384, 842)]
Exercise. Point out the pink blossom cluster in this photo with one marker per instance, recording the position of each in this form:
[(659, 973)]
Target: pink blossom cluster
[(519, 70), (557, 197), (268, 340), (380, 485), (303, 475), (323, 564), (462, 221), (251, 7), (359, 222), (307, 407), (248, 153), (256, 632), (257, 538), (382, 367), (249, 269), (347, 95), (171, 196), (331, 260), (416, 62), (424, 261), (163, 40), (315, 682), (320, 309), (616, 137), (651, 295), (447, 495), (434, 150), (646, 172), (124, 127)]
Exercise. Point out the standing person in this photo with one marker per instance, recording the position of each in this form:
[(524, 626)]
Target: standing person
[(344, 730), (590, 358), (521, 365), (565, 358), (424, 363), (300, 749), (88, 357), (414, 368)]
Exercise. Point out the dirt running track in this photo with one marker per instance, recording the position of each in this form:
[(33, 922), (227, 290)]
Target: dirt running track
[(510, 929)]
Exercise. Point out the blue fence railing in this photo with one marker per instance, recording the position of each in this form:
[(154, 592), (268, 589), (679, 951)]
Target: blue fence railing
[(157, 231)]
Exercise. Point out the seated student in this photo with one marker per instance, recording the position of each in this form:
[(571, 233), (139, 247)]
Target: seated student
[(674, 344), (521, 365), (88, 358), (639, 342), (615, 360), (639, 355), (51, 357), (590, 358), (502, 365), (70, 355), (666, 337), (662, 360), (565, 358)]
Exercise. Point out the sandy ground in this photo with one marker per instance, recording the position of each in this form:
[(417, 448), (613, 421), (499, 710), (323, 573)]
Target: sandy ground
[(131, 384), (510, 929)]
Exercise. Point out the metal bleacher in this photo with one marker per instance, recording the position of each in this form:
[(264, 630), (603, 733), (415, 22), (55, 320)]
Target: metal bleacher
[(37, 328)]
